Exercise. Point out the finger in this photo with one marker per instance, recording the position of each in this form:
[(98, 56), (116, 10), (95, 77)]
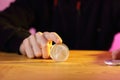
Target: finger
[(52, 36), (46, 50), (28, 48), (116, 54), (50, 44), (44, 43), (22, 49), (35, 46)]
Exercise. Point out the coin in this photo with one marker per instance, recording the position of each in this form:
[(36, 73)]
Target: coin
[(112, 62), (59, 52)]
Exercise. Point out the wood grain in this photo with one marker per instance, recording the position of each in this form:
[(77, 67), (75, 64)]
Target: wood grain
[(81, 65)]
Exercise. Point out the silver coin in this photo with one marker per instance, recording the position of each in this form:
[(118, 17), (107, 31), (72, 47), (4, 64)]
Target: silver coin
[(112, 62), (59, 52)]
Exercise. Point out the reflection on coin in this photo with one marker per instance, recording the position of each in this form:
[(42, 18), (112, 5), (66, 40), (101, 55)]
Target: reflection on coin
[(59, 52), (112, 62)]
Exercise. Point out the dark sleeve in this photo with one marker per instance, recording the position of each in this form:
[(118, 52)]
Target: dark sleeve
[(14, 24)]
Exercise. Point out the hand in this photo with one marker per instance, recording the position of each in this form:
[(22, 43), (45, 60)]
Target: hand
[(6, 4), (116, 54), (39, 44)]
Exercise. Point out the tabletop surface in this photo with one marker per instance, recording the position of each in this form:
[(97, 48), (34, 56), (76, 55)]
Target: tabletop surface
[(81, 65)]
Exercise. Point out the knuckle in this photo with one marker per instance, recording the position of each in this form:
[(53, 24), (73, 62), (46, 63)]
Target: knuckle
[(53, 33), (31, 36), (45, 32), (39, 33), (25, 40)]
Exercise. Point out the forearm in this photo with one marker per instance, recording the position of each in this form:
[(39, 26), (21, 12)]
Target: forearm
[(14, 25)]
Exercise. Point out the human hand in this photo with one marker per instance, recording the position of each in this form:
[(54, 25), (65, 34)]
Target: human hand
[(39, 44), (4, 4), (116, 54)]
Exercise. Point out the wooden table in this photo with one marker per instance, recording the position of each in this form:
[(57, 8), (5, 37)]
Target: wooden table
[(81, 65)]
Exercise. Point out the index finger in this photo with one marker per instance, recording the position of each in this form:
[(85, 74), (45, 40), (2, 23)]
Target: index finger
[(52, 36)]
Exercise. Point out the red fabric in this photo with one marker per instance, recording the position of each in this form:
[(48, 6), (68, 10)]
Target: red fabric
[(55, 2), (78, 5)]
